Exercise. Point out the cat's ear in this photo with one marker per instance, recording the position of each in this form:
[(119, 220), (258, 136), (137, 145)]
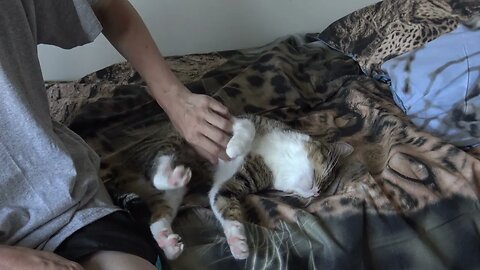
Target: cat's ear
[(343, 149)]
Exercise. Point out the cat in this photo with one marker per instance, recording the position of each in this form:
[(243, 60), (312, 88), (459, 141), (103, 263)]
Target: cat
[(265, 154)]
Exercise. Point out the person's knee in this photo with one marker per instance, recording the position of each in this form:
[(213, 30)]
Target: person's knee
[(114, 260)]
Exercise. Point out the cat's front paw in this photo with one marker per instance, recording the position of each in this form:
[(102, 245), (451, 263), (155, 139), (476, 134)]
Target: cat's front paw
[(242, 139), (236, 239), (170, 243)]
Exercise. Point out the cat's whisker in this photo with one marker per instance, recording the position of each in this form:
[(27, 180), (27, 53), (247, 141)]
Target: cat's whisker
[(308, 202), (290, 194)]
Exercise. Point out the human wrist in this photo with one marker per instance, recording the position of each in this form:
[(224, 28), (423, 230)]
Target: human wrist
[(171, 96)]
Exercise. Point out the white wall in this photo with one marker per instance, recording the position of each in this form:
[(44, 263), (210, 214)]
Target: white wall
[(197, 26)]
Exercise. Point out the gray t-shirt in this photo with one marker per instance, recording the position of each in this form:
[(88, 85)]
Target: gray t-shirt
[(49, 185)]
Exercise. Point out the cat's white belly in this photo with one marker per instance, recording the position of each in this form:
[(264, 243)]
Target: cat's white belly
[(285, 154)]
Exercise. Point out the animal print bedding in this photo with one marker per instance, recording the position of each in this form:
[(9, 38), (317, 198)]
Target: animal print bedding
[(402, 200), (389, 28)]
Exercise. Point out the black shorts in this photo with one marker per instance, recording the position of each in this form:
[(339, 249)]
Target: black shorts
[(114, 232)]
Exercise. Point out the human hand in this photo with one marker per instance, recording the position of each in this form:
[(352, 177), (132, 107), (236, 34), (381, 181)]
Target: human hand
[(204, 122), (201, 120), (20, 258)]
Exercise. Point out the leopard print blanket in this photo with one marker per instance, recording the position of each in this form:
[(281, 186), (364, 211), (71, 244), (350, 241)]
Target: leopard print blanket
[(402, 200)]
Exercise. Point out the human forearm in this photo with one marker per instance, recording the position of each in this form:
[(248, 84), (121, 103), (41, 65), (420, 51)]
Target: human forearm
[(124, 28), (201, 120)]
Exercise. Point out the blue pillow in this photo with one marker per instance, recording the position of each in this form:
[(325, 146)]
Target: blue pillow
[(438, 86)]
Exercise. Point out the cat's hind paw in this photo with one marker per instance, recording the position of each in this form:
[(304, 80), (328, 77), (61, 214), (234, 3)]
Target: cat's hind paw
[(236, 239), (170, 243)]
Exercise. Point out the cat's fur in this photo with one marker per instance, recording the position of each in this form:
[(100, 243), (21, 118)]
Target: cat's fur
[(266, 154)]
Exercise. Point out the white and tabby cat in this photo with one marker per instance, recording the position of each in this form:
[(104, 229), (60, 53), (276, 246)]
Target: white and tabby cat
[(266, 154)]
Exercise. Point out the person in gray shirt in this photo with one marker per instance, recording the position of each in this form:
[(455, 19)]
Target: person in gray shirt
[(54, 210)]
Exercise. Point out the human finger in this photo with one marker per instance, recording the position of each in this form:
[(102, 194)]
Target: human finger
[(59, 261), (211, 147), (216, 135), (219, 108), (205, 154), (217, 120)]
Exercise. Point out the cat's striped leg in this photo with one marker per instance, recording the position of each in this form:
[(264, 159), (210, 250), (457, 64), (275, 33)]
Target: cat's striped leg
[(165, 177), (228, 210), (164, 209), (163, 205)]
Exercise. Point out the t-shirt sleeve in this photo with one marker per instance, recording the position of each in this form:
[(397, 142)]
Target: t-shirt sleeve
[(66, 23)]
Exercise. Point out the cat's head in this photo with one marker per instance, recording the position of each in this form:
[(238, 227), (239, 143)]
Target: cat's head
[(323, 159)]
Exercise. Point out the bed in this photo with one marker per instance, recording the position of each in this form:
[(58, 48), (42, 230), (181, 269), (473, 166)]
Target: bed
[(407, 198)]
